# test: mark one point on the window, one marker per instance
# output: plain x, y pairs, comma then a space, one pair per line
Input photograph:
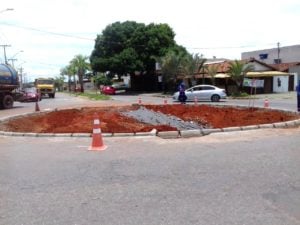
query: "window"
277, 61
263, 56
208, 88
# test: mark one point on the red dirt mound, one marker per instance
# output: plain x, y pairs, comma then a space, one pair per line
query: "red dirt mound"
112, 121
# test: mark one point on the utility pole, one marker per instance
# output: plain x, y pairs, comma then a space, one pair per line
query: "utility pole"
278, 52
21, 77
4, 46
12, 62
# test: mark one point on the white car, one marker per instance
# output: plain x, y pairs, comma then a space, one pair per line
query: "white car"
203, 92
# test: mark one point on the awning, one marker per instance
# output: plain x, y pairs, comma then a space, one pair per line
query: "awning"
222, 75
266, 74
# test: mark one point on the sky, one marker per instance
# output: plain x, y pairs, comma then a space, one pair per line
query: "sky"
44, 36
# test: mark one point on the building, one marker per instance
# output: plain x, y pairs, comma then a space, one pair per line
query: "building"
284, 59
288, 54
264, 78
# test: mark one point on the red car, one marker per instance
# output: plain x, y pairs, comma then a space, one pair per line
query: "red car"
108, 90
31, 95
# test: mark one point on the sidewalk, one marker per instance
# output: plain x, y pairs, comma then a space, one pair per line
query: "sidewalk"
287, 95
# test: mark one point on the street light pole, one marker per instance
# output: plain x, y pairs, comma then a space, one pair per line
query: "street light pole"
13, 58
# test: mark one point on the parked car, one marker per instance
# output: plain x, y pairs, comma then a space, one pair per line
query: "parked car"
108, 90
203, 92
31, 95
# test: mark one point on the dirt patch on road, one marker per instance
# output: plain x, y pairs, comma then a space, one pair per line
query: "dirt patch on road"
125, 119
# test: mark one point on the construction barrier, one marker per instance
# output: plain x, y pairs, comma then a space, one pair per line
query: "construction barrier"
266, 103
37, 108
195, 100
97, 142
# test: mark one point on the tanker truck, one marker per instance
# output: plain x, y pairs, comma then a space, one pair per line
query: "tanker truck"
9, 83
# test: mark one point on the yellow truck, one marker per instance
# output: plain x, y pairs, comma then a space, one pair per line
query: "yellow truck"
46, 86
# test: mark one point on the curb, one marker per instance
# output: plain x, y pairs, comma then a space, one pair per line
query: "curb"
154, 132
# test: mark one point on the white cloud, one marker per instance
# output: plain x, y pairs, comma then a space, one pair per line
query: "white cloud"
213, 28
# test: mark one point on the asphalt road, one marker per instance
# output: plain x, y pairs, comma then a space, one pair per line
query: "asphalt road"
248, 177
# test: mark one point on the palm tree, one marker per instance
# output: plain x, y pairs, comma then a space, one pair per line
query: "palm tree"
191, 63
81, 66
201, 67
237, 71
212, 71
69, 71
170, 67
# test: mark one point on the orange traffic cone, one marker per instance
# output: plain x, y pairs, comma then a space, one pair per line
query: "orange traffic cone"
97, 143
37, 108
195, 100
266, 103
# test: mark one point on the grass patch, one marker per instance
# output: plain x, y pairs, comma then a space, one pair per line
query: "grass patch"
93, 96
240, 95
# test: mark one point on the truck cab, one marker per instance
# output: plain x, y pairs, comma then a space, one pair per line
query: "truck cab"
46, 86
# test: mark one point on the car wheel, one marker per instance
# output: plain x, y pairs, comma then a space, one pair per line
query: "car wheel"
215, 98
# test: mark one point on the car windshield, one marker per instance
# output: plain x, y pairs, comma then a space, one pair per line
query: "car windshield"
45, 82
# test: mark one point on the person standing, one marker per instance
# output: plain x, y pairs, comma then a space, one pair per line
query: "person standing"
182, 96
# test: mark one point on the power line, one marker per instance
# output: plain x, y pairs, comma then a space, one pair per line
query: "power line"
112, 42
47, 32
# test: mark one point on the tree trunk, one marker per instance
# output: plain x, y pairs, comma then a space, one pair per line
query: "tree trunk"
80, 77
69, 84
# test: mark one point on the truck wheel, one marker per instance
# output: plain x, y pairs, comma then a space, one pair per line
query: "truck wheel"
7, 102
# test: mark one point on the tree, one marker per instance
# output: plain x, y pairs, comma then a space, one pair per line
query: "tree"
212, 71
174, 63
70, 71
202, 67
80, 64
124, 48
237, 71
102, 80
59, 82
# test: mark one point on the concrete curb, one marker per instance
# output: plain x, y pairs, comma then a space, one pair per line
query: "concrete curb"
191, 133
154, 132
168, 134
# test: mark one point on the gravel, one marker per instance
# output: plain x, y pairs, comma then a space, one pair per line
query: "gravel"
157, 118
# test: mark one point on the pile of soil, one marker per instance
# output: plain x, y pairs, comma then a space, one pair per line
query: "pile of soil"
125, 119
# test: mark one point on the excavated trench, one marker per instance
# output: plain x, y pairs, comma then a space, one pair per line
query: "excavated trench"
137, 118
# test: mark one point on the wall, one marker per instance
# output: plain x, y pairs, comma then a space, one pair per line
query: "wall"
280, 84
296, 71
259, 67
287, 54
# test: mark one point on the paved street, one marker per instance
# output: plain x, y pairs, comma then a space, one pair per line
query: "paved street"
248, 177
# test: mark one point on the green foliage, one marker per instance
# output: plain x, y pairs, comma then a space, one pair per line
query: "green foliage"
69, 70
59, 82
129, 46
102, 80
94, 96
177, 62
80, 65
212, 71
237, 71
240, 95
